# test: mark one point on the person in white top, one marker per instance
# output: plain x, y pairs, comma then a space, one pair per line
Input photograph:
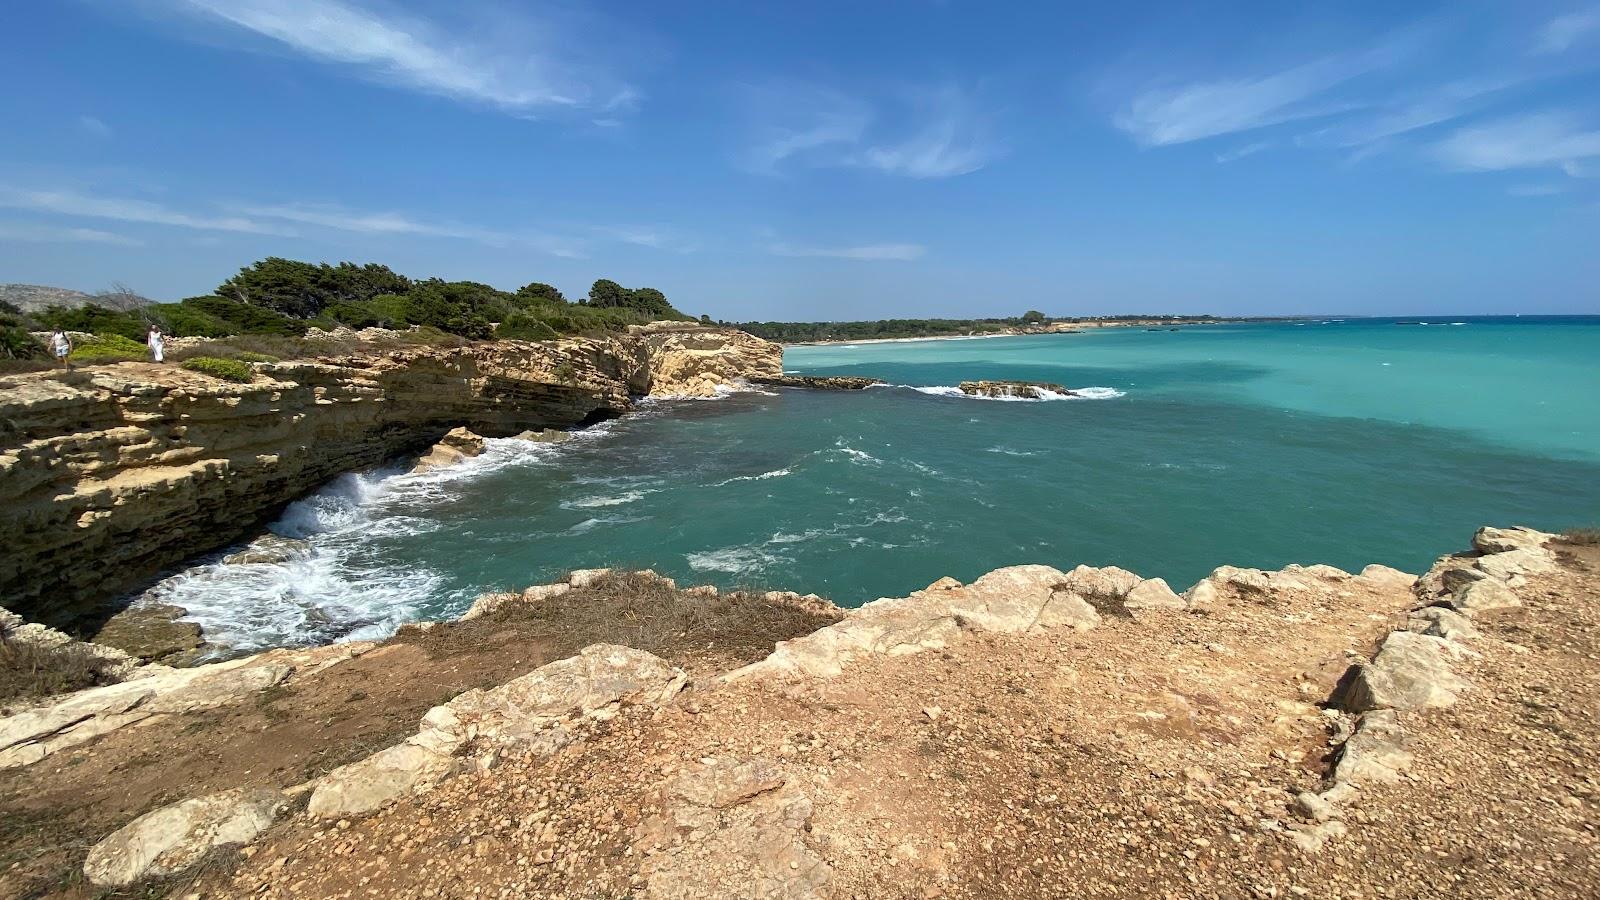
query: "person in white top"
60, 346
153, 341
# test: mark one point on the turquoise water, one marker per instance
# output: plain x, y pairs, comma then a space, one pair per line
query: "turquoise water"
1257, 445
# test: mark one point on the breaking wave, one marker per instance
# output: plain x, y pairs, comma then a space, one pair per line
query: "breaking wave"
947, 390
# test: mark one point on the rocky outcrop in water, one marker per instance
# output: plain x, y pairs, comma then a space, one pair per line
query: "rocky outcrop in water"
1021, 390
817, 382
109, 474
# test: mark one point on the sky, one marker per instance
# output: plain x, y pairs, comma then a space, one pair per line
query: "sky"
821, 160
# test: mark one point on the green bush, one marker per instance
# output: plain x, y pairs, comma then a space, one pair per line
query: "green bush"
181, 320
216, 367
107, 348
523, 327
95, 320
17, 343
252, 357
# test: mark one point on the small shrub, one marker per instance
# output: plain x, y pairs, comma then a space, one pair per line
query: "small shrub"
251, 356
225, 369
32, 670
107, 348
17, 343
523, 327
1583, 537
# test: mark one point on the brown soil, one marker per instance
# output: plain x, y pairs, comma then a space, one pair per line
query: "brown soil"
51, 813
1153, 756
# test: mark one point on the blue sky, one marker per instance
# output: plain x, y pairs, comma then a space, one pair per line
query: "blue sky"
822, 159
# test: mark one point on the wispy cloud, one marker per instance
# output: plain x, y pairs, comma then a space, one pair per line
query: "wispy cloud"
867, 252
394, 223
1228, 156
1561, 33
1536, 140
517, 63
1536, 190
1207, 109
75, 203
20, 231
93, 127
922, 134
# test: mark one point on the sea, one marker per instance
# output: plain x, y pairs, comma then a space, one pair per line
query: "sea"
1344, 441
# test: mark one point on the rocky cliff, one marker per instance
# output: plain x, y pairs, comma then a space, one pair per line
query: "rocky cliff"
109, 474
1038, 732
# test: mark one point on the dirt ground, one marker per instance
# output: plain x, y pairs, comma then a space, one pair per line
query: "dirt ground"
52, 812
1153, 756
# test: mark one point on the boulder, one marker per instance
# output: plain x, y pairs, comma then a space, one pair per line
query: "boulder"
269, 549
380, 779
176, 837
531, 713
1481, 594
1509, 564
1442, 622
457, 445
1011, 600
150, 632
1503, 540
545, 436
1117, 590
1388, 577
1019, 390
1376, 753
1411, 671
585, 577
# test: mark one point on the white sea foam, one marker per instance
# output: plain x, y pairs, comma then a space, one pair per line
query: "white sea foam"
775, 473
588, 525
733, 560
1007, 451
593, 502
336, 590
946, 390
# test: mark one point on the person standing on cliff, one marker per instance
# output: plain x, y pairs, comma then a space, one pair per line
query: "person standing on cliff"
60, 346
154, 342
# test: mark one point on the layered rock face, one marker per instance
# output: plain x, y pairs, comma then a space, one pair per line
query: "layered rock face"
108, 475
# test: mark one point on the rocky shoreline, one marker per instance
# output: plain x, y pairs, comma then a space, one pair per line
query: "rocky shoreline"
112, 473
1257, 733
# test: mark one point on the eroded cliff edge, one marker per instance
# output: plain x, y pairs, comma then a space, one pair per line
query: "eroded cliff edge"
110, 474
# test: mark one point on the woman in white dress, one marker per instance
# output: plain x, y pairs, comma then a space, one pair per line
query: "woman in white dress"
153, 341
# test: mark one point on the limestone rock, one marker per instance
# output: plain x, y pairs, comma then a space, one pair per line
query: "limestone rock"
1482, 594
1376, 753
269, 549
150, 632
1521, 561
1411, 671
133, 468
457, 445
176, 837
590, 684
1442, 622
545, 436
1021, 390
531, 713
726, 782
1388, 576
753, 831
817, 382
378, 780
1502, 540
585, 577
1010, 600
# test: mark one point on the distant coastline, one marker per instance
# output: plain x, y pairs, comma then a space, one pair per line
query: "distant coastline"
1064, 326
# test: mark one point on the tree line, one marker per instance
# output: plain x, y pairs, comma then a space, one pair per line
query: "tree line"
278, 296
800, 332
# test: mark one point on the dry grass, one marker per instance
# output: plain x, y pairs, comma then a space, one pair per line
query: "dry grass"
642, 611
29, 670
1582, 537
